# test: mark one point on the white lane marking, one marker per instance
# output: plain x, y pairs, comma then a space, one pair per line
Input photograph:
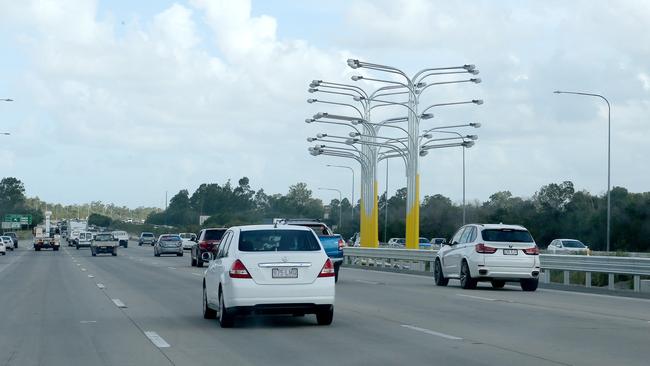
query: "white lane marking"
88, 321
197, 274
171, 267
83, 270
91, 276
156, 339
477, 297
594, 295
78, 264
101, 285
368, 282
431, 332
118, 303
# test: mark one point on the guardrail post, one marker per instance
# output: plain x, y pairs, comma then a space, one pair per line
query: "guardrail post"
546, 275
610, 281
588, 279
637, 283
566, 277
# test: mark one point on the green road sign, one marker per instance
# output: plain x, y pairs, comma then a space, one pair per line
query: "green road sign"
22, 219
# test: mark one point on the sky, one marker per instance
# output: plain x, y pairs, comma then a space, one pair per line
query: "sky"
122, 101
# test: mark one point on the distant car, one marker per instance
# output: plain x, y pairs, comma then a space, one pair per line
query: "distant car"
14, 237
168, 244
84, 239
147, 238
424, 243
188, 240
567, 246
396, 242
104, 243
495, 253
436, 243
8, 242
267, 269
122, 238
3, 248
207, 242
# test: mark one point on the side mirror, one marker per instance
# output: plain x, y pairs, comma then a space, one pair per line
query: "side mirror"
454, 243
206, 256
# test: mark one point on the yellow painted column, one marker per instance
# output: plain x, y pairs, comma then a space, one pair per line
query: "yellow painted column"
413, 219
375, 216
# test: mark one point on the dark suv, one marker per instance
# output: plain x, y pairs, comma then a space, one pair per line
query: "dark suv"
208, 241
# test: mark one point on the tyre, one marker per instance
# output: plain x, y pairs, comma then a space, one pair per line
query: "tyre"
93, 252
325, 317
466, 280
529, 284
156, 254
3, 253
114, 252
226, 319
336, 273
438, 275
208, 313
498, 283
77, 247
37, 249
139, 244
126, 245
56, 249
179, 254
192, 261
199, 262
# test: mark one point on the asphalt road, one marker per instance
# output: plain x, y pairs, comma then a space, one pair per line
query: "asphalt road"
61, 308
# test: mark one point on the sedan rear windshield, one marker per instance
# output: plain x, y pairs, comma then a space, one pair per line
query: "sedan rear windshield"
572, 244
171, 238
186, 235
277, 241
214, 234
147, 235
509, 235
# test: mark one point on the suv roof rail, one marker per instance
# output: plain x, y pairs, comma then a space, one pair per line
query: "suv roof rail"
312, 220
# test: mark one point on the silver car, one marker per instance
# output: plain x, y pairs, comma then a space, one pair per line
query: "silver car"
168, 244
567, 246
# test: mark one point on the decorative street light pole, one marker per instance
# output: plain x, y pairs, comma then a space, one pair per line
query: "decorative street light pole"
609, 159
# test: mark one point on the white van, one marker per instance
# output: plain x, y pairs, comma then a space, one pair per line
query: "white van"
85, 238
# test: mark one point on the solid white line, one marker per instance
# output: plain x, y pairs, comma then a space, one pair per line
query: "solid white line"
368, 282
78, 264
171, 267
118, 303
156, 339
88, 321
431, 332
477, 297
101, 285
594, 295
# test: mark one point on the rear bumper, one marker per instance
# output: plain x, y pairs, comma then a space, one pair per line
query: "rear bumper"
174, 250
104, 249
506, 273
297, 308
246, 293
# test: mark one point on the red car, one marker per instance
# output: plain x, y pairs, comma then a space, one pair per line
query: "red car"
208, 241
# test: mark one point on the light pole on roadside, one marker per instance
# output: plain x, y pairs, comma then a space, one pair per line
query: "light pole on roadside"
609, 156
351, 171
340, 200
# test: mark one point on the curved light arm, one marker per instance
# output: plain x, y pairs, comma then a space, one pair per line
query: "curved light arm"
388, 139
357, 64
473, 101
383, 125
475, 125
311, 100
341, 155
327, 84
466, 67
472, 80
582, 93
473, 72
311, 120
387, 102
401, 153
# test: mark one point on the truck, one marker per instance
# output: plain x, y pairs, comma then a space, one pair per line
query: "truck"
332, 243
73, 228
104, 243
44, 238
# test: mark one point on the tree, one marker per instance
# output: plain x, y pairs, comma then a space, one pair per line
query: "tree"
12, 194
99, 220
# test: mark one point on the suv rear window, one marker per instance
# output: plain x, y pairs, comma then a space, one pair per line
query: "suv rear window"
147, 235
277, 241
515, 236
216, 234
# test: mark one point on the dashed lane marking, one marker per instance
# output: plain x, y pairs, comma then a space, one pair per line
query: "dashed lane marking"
118, 303
477, 297
101, 285
156, 339
433, 333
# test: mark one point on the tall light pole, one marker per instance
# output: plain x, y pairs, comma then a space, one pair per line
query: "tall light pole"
609, 156
351, 171
340, 199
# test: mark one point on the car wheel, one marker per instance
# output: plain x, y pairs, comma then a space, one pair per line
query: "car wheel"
139, 244
93, 252
77, 247
192, 261
56, 249
208, 313
114, 253
156, 254
199, 262
529, 284
225, 319
498, 283
438, 276
179, 254
325, 317
466, 280
336, 273
3, 253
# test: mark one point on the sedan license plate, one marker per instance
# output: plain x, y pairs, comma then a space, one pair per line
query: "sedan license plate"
510, 251
284, 273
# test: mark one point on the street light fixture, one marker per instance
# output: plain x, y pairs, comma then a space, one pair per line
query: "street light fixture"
609, 156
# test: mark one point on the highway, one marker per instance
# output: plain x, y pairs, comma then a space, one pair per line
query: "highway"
68, 308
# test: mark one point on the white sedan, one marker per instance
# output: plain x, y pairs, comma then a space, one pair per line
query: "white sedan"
7, 242
3, 248
264, 269
567, 246
494, 253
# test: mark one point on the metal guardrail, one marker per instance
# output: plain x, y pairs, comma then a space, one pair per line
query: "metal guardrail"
423, 260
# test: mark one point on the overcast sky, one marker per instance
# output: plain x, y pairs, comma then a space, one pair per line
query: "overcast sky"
120, 101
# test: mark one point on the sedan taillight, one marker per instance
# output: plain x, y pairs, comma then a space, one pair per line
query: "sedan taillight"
484, 249
328, 269
203, 244
341, 244
532, 251
238, 270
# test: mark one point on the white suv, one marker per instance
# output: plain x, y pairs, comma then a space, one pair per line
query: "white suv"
494, 253
263, 269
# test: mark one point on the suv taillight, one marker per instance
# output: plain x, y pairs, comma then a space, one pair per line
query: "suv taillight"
484, 249
203, 244
341, 244
238, 270
532, 251
328, 269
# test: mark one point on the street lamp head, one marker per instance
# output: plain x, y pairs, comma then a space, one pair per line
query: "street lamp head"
468, 144
358, 98
353, 63
321, 135
473, 71
475, 80
475, 124
356, 77
423, 152
7, 100
427, 135
426, 116
315, 83
311, 139
309, 120
319, 115
469, 67
421, 84
312, 90
472, 137
557, 92
477, 101
355, 122
354, 134
311, 100
351, 141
